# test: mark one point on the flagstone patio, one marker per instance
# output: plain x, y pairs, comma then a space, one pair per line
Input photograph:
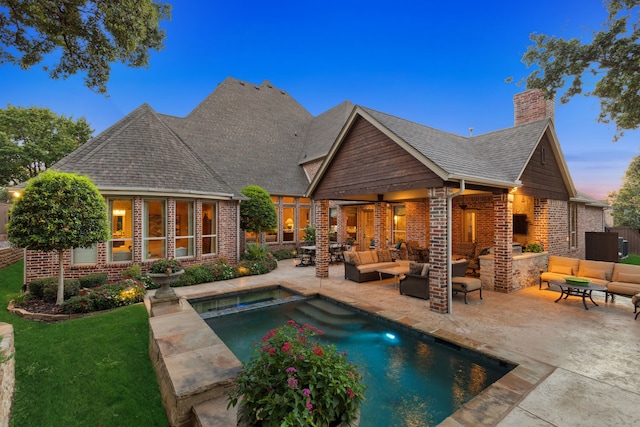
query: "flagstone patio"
585, 362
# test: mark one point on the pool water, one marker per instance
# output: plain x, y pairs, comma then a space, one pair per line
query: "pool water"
412, 379
238, 301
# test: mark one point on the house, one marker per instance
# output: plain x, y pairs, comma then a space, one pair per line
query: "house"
173, 184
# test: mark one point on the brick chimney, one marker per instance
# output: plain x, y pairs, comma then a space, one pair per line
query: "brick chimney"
531, 105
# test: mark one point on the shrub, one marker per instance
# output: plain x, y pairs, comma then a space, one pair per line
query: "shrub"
255, 252
284, 254
93, 280
132, 272
195, 275
47, 288
291, 380
223, 271
262, 266
533, 247
106, 297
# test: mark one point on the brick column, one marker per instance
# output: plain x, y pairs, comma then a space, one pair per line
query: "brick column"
322, 237
438, 256
379, 219
138, 204
502, 242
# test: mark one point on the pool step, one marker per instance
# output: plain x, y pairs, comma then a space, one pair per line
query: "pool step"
335, 321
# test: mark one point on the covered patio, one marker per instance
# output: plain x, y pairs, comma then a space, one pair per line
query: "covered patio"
451, 193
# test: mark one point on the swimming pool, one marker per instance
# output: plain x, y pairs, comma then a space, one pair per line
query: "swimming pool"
413, 379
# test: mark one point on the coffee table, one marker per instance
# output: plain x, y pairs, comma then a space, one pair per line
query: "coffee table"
577, 290
395, 272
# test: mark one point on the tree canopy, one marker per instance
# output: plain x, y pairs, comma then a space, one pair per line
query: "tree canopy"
58, 211
257, 213
86, 35
609, 64
626, 202
32, 139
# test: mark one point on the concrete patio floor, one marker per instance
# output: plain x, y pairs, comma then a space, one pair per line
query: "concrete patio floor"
593, 355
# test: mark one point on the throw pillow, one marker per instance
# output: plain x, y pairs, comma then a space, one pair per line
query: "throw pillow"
348, 257
592, 273
561, 269
366, 257
425, 270
374, 255
628, 278
384, 255
415, 268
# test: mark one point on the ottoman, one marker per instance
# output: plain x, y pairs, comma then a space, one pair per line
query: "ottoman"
466, 284
635, 300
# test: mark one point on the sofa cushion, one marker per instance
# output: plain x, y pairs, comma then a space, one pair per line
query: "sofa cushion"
626, 269
352, 257
416, 267
368, 268
366, 257
628, 278
596, 269
623, 288
384, 255
563, 265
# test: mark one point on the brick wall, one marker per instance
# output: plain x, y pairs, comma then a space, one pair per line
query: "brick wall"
531, 105
10, 255
417, 221
42, 264
558, 230
503, 238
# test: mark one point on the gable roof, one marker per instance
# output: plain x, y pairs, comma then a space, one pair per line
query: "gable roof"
495, 159
324, 130
141, 153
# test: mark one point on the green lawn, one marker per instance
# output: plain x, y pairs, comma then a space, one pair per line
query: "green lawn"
632, 259
93, 371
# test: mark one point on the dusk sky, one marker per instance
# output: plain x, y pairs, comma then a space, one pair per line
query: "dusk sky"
441, 64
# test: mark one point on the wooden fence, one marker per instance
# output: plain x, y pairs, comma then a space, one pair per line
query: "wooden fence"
630, 235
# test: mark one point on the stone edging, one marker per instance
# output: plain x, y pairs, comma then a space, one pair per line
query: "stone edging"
43, 317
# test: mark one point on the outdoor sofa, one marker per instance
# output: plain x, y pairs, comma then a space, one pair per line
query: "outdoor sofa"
619, 279
363, 266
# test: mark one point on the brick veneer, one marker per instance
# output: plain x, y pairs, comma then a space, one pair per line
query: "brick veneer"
503, 238
322, 237
10, 255
438, 257
531, 105
42, 264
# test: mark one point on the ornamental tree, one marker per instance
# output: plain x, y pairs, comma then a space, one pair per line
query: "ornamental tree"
257, 213
58, 211
610, 62
626, 202
83, 35
32, 139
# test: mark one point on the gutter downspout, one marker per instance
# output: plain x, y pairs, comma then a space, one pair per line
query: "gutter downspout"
449, 244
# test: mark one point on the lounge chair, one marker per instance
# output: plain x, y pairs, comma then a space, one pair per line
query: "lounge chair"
460, 282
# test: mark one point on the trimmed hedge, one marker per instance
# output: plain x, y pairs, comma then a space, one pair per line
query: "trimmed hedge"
47, 288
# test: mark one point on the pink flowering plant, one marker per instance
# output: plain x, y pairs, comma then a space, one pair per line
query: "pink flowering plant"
292, 380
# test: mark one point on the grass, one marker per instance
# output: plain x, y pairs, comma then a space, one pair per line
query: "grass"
631, 259
93, 371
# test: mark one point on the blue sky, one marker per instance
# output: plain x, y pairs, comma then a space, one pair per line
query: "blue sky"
441, 64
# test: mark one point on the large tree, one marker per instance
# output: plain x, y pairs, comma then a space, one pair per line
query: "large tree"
608, 67
626, 202
32, 139
86, 35
257, 213
58, 211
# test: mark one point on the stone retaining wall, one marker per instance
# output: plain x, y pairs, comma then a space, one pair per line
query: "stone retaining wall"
192, 364
10, 255
7, 373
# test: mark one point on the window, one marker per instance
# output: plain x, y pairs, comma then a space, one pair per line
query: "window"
288, 226
333, 224
305, 219
469, 225
120, 245
573, 225
209, 228
399, 225
154, 234
185, 235
84, 255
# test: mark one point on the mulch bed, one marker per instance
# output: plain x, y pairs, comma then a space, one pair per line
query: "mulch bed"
40, 306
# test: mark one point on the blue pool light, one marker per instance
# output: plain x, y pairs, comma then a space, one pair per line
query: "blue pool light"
390, 336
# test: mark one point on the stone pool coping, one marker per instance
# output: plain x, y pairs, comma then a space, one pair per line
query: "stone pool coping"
196, 370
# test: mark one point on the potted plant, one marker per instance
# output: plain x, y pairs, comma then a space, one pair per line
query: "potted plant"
292, 380
164, 273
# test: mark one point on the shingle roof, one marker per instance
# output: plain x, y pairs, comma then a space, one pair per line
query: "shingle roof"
500, 155
250, 135
324, 130
141, 152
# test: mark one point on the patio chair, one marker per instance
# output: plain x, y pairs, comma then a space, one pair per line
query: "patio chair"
460, 282
416, 253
